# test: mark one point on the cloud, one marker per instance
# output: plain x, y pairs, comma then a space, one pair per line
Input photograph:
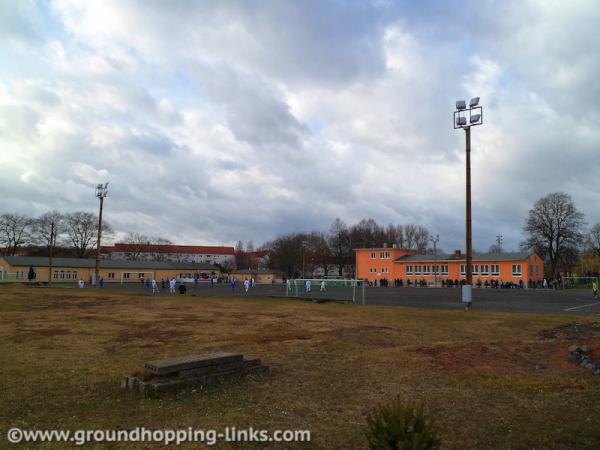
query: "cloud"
232, 120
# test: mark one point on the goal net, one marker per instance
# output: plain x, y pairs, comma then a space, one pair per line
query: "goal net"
326, 289
11, 276
578, 282
136, 277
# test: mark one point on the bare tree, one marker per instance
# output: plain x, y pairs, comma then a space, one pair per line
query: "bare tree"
15, 230
592, 240
417, 237
496, 248
157, 247
48, 227
554, 229
339, 244
82, 231
136, 245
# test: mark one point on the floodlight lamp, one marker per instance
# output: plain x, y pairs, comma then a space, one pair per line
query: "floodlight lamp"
461, 121
475, 118
461, 104
474, 102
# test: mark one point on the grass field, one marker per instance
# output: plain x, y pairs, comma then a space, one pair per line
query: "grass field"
65, 351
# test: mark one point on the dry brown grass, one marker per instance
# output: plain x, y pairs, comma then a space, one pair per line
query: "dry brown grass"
64, 352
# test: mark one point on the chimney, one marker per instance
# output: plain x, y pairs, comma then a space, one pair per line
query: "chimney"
457, 254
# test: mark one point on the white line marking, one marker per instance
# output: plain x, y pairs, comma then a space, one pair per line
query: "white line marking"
582, 306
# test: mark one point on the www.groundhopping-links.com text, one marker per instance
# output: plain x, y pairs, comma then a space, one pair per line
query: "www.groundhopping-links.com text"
165, 436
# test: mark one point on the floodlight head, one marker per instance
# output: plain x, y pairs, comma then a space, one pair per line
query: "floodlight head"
461, 104
475, 118
474, 102
461, 121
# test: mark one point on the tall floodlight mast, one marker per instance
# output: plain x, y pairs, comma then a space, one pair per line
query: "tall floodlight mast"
465, 118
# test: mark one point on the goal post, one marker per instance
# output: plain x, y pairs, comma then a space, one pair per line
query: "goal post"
578, 282
135, 277
327, 289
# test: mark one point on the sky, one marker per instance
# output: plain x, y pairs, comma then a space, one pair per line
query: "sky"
220, 121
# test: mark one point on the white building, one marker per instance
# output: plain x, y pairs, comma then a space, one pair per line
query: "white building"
178, 253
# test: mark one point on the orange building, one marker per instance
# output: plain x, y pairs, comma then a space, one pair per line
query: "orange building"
395, 263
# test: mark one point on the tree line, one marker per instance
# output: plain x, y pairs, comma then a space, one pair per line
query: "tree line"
73, 234
332, 252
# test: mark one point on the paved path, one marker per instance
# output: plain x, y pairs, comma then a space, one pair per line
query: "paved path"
538, 301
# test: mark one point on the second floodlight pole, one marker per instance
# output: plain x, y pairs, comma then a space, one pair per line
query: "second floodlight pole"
469, 269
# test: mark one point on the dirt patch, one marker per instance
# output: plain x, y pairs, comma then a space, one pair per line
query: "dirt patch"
572, 331
550, 349
499, 357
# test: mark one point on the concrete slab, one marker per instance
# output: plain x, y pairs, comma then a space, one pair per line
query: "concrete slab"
166, 366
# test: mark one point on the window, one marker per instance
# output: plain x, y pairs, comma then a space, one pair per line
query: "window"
55, 275
417, 270
384, 255
111, 275
444, 269
516, 270
495, 269
436, 269
484, 269
74, 274
462, 269
68, 275
426, 269
373, 255
140, 275
372, 270
409, 270
385, 270
125, 276
475, 269
62, 274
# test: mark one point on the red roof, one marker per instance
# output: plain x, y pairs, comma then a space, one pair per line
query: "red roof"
194, 249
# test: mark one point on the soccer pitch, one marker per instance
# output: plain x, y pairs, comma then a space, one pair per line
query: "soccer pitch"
330, 364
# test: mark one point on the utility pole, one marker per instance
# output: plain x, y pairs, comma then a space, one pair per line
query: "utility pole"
51, 250
303, 251
435, 239
499, 243
101, 193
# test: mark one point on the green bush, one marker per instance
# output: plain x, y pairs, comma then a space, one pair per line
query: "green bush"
400, 427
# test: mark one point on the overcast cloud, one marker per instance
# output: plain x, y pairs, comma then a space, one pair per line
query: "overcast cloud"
219, 121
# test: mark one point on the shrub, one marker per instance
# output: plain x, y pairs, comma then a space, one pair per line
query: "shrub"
400, 427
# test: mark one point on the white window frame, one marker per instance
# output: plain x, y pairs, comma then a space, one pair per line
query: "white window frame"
495, 270
463, 269
444, 269
485, 269
373, 255
418, 270
516, 273
426, 269
409, 270
475, 269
